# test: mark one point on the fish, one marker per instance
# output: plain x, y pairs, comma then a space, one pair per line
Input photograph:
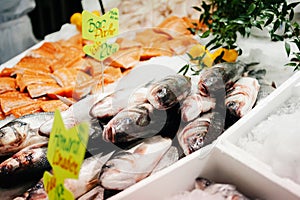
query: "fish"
126, 168
110, 105
17, 135
166, 92
87, 179
131, 123
140, 121
227, 191
35, 192
202, 131
27, 164
95, 194
113, 103
22, 132
169, 158
191, 137
88, 175
219, 77
241, 97
194, 105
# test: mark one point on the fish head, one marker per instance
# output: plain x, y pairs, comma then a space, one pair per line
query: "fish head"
161, 97
12, 136
116, 173
211, 80
195, 142
202, 183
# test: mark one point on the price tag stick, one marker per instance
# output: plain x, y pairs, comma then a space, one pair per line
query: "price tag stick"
102, 76
102, 7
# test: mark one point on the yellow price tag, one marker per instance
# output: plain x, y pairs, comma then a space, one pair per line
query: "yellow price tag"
55, 188
66, 150
100, 51
97, 28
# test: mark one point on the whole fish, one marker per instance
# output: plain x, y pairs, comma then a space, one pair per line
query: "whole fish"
167, 92
110, 105
169, 158
27, 164
69, 122
191, 137
219, 77
35, 120
87, 179
96, 193
131, 166
17, 135
36, 192
88, 175
227, 191
194, 105
241, 97
201, 131
136, 122
113, 103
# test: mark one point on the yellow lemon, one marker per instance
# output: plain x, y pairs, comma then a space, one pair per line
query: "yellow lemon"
199, 50
230, 55
76, 19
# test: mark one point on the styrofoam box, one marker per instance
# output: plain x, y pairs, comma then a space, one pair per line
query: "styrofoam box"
224, 162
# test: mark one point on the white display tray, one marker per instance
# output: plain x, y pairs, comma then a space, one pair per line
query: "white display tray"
225, 162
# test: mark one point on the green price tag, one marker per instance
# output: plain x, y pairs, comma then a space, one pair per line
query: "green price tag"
100, 51
66, 150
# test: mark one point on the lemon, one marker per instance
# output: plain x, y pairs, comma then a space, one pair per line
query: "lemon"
198, 50
230, 55
76, 19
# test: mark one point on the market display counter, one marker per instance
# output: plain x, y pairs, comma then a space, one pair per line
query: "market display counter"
224, 160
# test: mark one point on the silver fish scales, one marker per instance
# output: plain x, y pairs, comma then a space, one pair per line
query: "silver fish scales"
25, 165
17, 135
133, 165
241, 97
219, 77
165, 93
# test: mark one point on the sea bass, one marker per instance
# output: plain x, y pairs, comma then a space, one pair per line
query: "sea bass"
17, 135
194, 105
167, 92
227, 191
133, 123
26, 164
241, 97
129, 167
219, 77
201, 131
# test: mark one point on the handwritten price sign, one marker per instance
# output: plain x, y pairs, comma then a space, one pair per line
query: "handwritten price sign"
66, 150
99, 29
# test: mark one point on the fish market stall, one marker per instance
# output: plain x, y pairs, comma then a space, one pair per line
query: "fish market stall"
154, 121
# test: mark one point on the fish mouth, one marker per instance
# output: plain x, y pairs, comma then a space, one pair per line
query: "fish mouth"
108, 134
203, 90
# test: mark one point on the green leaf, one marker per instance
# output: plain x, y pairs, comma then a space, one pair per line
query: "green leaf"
251, 8
269, 21
197, 8
205, 34
276, 25
292, 5
287, 48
